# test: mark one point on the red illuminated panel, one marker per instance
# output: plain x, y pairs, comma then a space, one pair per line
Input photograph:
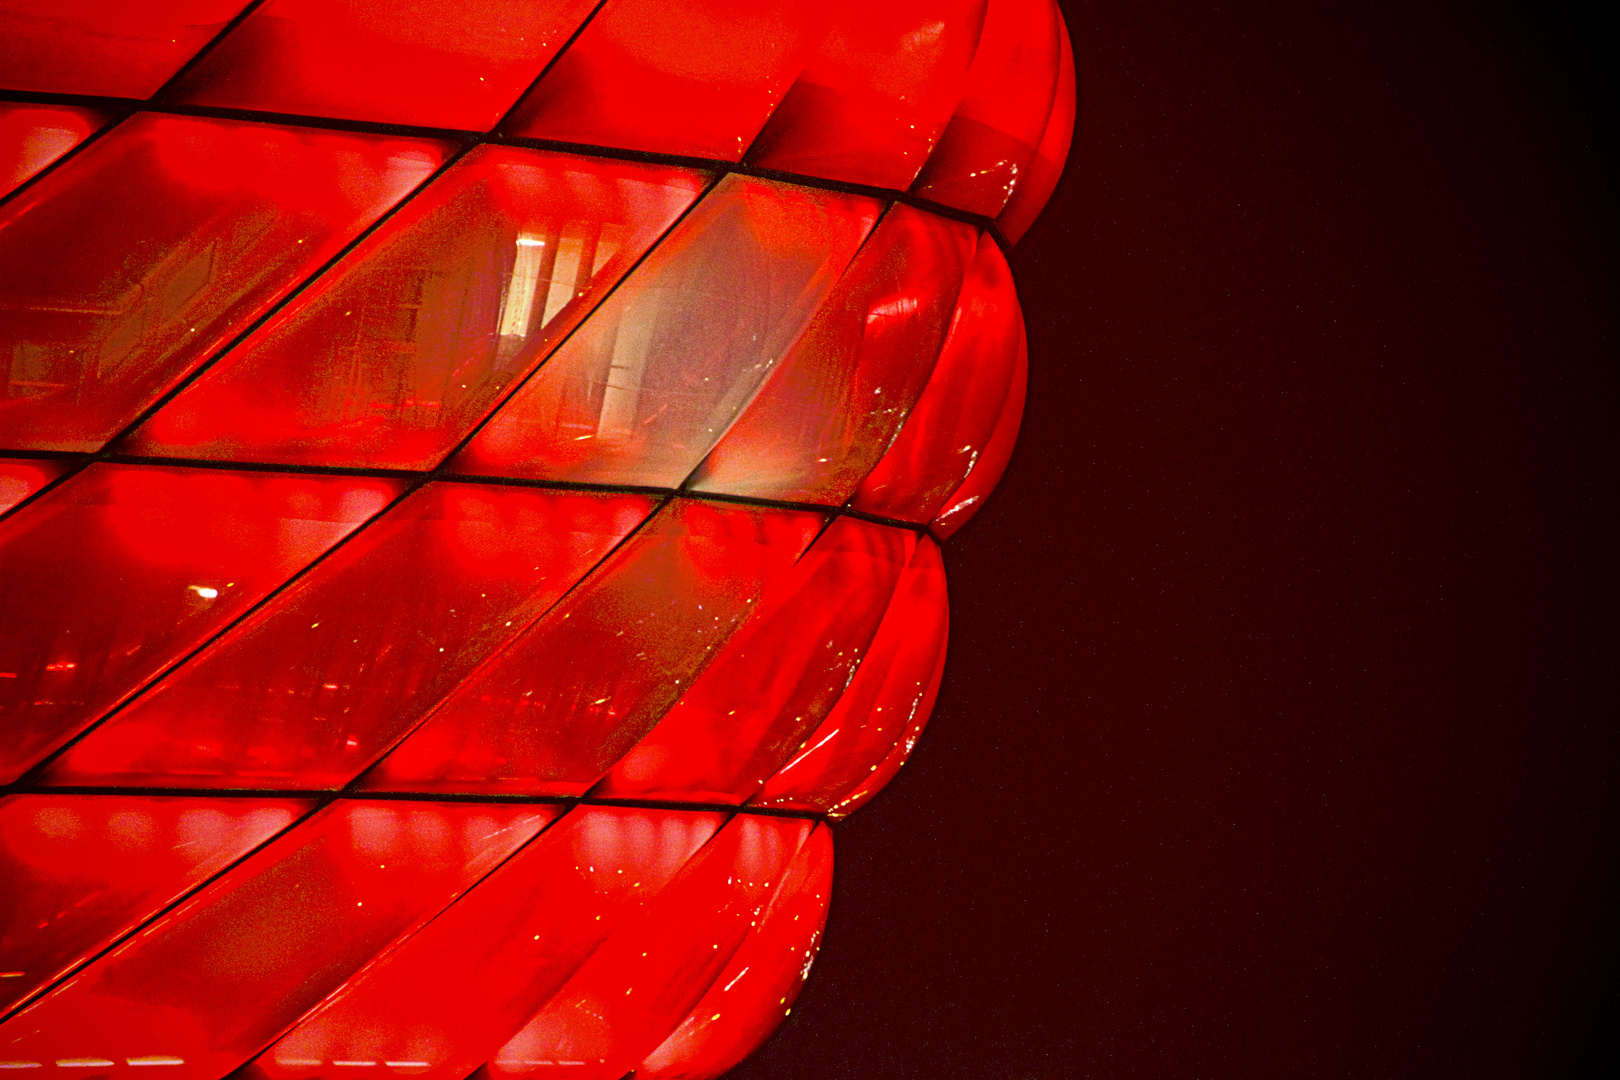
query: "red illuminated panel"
634, 990
389, 360
452, 994
946, 431
125, 269
886, 703
1040, 180
776, 678
80, 871
758, 988
833, 404
108, 47
207, 985
877, 94
20, 478
124, 569
33, 136
990, 143
575, 691
969, 498
328, 675
695, 77
648, 383
458, 65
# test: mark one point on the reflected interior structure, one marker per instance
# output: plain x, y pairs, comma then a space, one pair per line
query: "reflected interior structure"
471, 487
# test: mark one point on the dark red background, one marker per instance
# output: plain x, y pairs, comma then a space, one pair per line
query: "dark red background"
1278, 733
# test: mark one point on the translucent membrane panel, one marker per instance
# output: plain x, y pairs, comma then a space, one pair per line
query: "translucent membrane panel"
123, 570
877, 93
317, 684
33, 136
656, 375
129, 266
989, 146
392, 357
641, 983
949, 427
577, 689
104, 46
828, 410
758, 987
694, 77
451, 995
460, 65
885, 705
207, 985
777, 677
21, 478
966, 500
81, 871
1035, 188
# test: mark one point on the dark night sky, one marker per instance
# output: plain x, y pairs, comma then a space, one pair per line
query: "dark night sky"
1278, 737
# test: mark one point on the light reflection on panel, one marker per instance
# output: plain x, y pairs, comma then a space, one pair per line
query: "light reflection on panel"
79, 871
211, 982
458, 65
643, 389
131, 264
321, 681
1038, 183
124, 569
692, 77
573, 693
968, 499
828, 410
391, 358
21, 477
33, 136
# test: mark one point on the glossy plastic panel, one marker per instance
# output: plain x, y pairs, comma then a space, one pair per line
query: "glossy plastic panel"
108, 47
33, 136
21, 477
451, 995
553, 711
634, 990
772, 683
969, 498
80, 871
885, 704
389, 360
129, 266
1032, 192
643, 389
948, 428
990, 143
207, 985
458, 65
329, 674
828, 410
122, 570
877, 94
757, 989
694, 77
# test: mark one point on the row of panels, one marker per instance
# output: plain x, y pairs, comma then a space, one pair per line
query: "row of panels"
417, 939
469, 639
526, 314
966, 102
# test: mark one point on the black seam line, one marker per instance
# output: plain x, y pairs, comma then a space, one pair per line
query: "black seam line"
184, 898
562, 50
442, 476
173, 81
429, 714
497, 138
